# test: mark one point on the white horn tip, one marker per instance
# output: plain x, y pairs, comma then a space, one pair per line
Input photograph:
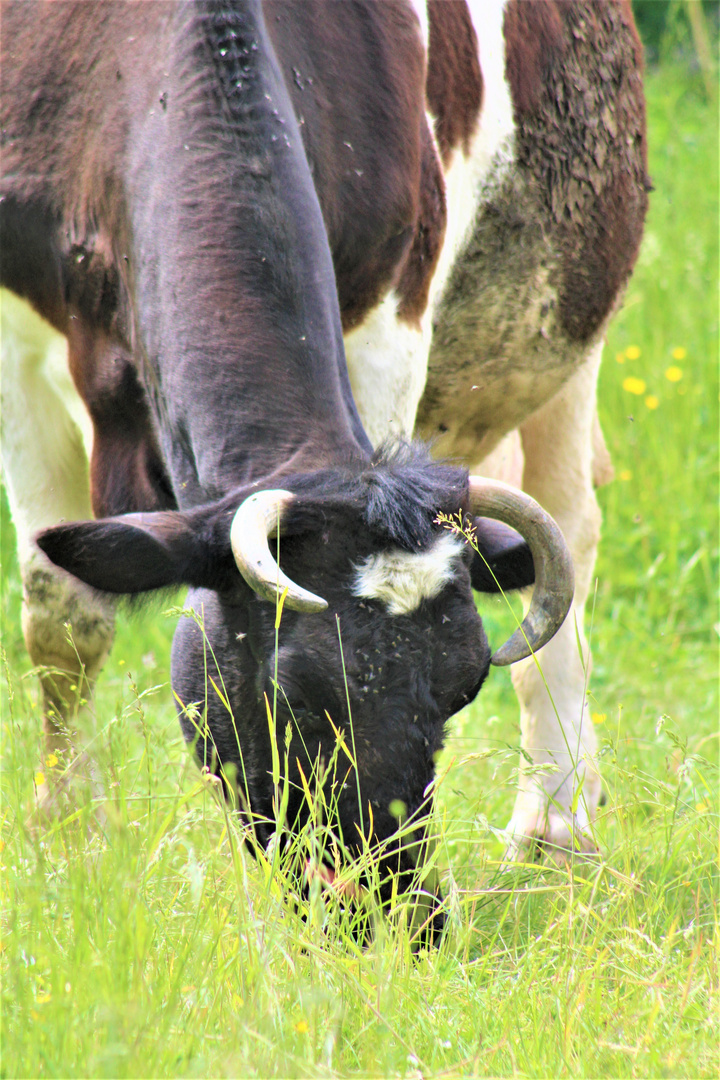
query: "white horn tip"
255, 521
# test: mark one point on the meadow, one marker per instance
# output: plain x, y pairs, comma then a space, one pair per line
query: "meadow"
149, 943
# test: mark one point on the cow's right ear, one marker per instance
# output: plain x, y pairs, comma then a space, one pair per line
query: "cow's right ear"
503, 559
140, 552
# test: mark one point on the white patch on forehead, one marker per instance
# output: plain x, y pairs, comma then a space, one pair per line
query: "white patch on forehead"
402, 580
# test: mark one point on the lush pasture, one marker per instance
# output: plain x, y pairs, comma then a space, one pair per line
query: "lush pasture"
147, 942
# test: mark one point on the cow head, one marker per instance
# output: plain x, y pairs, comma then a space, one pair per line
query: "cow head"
378, 639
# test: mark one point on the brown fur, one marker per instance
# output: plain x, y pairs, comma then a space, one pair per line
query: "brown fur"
367, 143
420, 264
575, 74
454, 80
127, 472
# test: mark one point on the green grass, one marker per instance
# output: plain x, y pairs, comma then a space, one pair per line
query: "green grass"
152, 945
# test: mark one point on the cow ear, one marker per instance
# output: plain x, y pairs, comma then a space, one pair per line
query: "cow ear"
140, 552
504, 562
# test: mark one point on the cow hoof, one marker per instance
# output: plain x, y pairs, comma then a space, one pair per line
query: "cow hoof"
547, 837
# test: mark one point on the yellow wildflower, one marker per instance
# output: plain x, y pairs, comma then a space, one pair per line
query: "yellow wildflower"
2, 845
39, 779
42, 999
599, 717
679, 353
674, 373
51, 761
634, 385
651, 401
620, 357
302, 1027
701, 807
624, 474
632, 352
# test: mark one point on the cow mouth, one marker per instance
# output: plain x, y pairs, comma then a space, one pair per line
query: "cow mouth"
422, 899
396, 877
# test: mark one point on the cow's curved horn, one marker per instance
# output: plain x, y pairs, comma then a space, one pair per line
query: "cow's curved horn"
255, 521
554, 575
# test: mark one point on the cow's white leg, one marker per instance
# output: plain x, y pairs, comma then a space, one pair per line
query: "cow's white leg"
387, 362
557, 803
68, 628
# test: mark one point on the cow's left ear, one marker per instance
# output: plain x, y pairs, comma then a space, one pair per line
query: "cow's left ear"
504, 562
137, 553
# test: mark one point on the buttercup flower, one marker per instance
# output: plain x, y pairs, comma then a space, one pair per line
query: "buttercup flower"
679, 353
674, 373
651, 401
632, 352
634, 385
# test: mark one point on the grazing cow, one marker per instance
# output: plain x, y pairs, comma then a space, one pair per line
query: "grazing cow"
204, 198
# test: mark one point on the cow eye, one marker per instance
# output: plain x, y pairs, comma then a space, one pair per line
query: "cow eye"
290, 709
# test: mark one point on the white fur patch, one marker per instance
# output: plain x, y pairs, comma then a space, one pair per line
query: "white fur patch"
403, 580
387, 365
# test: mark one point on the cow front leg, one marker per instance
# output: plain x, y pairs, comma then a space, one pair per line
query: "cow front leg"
68, 628
560, 789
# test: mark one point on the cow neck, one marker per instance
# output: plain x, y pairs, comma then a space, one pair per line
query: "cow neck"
236, 315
